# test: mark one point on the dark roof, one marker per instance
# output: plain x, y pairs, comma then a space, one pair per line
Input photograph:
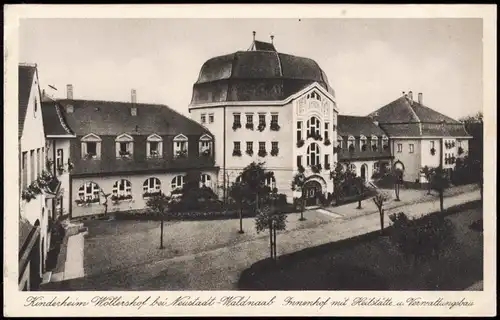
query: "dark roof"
25, 230
54, 121
404, 117
260, 75
114, 118
344, 155
26, 75
357, 126
263, 46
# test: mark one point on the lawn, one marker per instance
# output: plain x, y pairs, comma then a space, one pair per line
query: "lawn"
116, 245
371, 262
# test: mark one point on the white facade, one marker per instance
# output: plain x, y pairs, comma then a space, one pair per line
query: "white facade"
313, 102
32, 158
58, 153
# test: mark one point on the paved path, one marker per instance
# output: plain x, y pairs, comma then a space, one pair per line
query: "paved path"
220, 269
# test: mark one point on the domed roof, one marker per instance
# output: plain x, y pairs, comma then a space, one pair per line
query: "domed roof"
261, 74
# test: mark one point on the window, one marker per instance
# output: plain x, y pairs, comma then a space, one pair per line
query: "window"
262, 146
274, 145
35, 107
203, 118
299, 130
249, 146
313, 127
180, 146
327, 160
352, 167
314, 95
91, 147
262, 119
362, 140
237, 146
89, 191
122, 188
154, 146
340, 142
32, 165
299, 161
271, 182
24, 168
211, 118
400, 147
459, 143
374, 141
249, 118
38, 162
205, 145
274, 118
124, 146
205, 181
43, 159
177, 182
313, 154
151, 186
385, 142
60, 159
237, 119
412, 148
432, 144
351, 141
326, 136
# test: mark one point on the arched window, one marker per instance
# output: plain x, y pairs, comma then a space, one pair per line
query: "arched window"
151, 187
271, 182
313, 127
353, 167
205, 181
122, 188
362, 144
89, 191
313, 154
314, 95
177, 182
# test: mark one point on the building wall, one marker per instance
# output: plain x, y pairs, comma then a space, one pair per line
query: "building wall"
216, 128
412, 161
33, 138
106, 183
25, 278
64, 176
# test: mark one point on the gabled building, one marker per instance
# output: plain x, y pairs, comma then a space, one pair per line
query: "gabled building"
363, 145
34, 235
122, 153
421, 136
272, 107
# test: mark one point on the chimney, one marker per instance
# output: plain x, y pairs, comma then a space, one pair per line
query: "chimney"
410, 97
69, 91
254, 33
404, 94
420, 98
134, 96
272, 39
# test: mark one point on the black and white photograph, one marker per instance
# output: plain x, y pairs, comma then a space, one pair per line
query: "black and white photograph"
251, 154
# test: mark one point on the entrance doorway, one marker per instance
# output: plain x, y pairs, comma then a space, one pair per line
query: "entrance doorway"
364, 170
312, 190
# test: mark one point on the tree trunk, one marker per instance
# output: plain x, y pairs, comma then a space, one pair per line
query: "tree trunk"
381, 220
396, 189
256, 202
275, 251
161, 234
241, 218
441, 200
428, 186
271, 239
359, 204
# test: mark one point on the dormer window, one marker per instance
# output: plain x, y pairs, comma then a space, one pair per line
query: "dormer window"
180, 146
362, 140
91, 147
205, 145
350, 143
385, 142
124, 146
154, 146
374, 140
340, 143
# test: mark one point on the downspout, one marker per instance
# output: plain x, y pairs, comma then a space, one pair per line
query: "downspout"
54, 173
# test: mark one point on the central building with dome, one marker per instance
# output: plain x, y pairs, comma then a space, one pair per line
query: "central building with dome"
271, 107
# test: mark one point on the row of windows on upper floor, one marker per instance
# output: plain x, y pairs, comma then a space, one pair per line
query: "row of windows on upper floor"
363, 143
124, 146
261, 123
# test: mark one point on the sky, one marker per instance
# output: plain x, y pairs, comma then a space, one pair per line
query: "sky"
369, 62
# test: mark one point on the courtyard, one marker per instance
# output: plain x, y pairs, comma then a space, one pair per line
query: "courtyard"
211, 255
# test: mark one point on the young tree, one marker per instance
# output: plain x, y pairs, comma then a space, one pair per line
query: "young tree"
105, 203
337, 175
427, 172
298, 185
237, 192
360, 187
158, 205
439, 183
397, 175
269, 218
254, 177
379, 200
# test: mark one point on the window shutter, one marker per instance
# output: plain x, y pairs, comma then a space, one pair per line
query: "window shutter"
117, 149
130, 148
84, 149
98, 150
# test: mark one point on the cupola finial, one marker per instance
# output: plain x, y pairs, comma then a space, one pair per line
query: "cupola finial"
272, 39
254, 33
